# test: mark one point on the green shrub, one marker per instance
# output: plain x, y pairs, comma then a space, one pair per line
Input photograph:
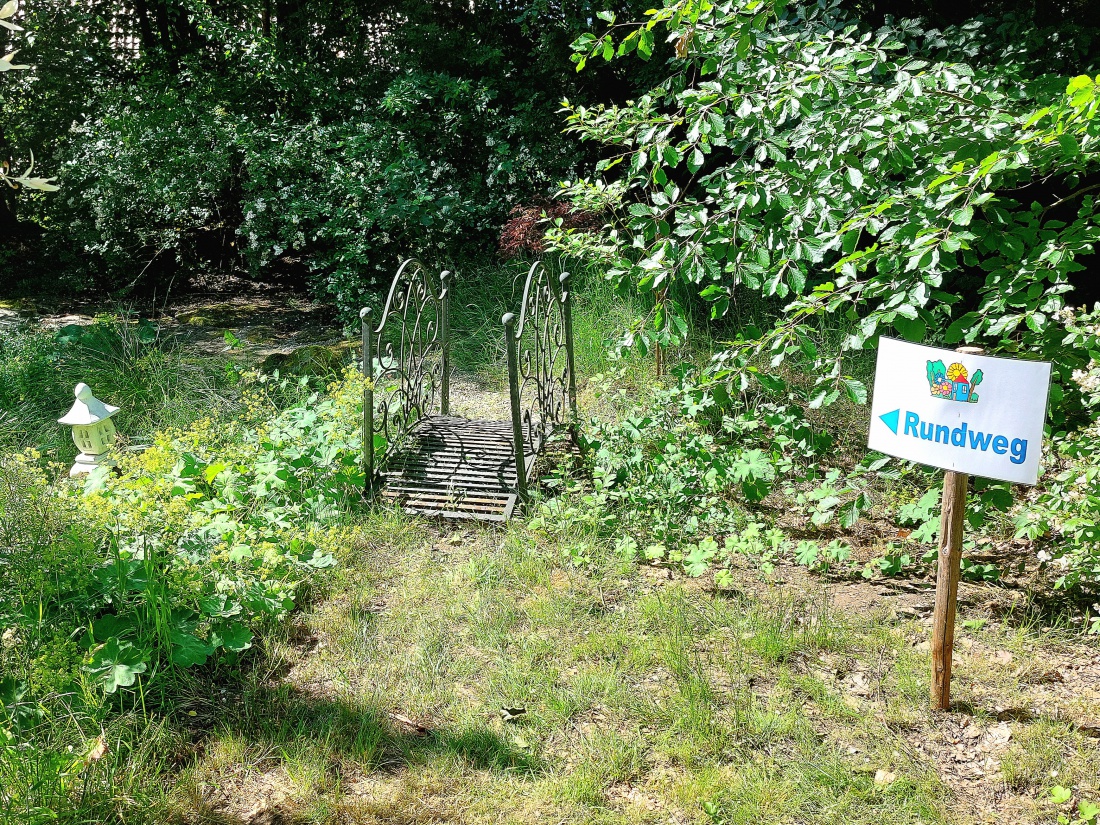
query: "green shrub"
147, 186
685, 465
875, 173
1065, 514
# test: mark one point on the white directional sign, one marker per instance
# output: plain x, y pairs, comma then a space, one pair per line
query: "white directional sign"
973, 414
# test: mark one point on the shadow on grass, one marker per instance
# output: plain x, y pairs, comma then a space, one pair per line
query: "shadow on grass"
368, 733
347, 739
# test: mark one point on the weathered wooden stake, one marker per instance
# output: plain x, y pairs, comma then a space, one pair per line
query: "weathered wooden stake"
947, 585
952, 515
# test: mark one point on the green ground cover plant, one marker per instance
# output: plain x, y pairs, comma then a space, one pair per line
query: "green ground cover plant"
168, 563
690, 477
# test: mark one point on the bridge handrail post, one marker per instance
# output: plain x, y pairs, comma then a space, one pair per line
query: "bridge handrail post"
368, 400
409, 362
509, 322
567, 317
445, 333
545, 359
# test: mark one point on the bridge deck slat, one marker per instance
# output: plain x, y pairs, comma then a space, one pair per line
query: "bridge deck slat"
456, 468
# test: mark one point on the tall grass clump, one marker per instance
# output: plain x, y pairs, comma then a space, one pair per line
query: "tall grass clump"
131, 363
483, 294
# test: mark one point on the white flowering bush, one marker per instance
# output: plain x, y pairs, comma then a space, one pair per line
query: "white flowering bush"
146, 185
175, 180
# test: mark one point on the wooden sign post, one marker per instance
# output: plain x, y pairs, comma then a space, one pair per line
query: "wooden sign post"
928, 408
947, 585
952, 521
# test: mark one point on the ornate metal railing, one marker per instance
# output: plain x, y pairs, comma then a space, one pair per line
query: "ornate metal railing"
406, 362
541, 379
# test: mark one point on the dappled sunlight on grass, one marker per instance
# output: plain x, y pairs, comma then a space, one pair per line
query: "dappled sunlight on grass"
513, 682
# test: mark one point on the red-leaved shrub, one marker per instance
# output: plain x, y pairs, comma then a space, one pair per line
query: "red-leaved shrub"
527, 223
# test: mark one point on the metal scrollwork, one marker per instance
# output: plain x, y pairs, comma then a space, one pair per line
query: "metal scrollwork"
541, 380
406, 361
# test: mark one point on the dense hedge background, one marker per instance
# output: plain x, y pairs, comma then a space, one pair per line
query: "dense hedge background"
323, 141
319, 141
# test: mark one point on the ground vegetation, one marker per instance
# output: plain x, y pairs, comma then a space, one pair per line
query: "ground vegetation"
717, 611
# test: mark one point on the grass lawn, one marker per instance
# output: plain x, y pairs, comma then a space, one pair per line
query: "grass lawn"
467, 674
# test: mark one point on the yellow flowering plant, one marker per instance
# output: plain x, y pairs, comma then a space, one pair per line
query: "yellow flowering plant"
212, 530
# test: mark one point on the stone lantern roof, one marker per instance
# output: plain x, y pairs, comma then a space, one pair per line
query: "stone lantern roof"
87, 409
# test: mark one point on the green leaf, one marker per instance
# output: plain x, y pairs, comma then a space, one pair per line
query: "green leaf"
855, 177
116, 664
849, 513
806, 553
911, 329
823, 398
239, 553
695, 163
753, 464
1060, 795
7, 65
756, 489
233, 636
188, 649
1081, 81
855, 390
220, 606
697, 561
957, 331
772, 383
797, 279
963, 216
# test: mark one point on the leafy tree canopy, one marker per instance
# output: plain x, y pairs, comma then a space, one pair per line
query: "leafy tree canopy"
936, 184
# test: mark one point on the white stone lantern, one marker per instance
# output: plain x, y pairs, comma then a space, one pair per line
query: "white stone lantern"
93, 431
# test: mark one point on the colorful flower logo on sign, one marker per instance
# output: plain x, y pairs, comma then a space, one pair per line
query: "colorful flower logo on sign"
954, 382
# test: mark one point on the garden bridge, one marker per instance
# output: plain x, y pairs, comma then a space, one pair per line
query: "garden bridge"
430, 462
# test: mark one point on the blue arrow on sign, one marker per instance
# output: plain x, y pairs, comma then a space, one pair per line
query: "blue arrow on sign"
890, 419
